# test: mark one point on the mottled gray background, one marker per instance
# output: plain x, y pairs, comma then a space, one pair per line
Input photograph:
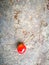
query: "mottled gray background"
29, 15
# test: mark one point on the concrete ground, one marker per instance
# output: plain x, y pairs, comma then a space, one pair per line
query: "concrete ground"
27, 21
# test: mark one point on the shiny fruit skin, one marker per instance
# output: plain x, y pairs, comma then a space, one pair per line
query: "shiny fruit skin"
21, 48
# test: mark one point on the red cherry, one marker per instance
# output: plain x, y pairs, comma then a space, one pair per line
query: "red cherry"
21, 48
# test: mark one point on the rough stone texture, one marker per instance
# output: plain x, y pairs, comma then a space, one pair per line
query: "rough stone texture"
27, 21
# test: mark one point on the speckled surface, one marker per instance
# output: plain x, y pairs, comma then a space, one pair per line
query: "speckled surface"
27, 21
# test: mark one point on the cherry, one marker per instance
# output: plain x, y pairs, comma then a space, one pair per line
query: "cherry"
21, 48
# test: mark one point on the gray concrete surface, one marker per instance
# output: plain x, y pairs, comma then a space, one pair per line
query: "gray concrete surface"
27, 21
